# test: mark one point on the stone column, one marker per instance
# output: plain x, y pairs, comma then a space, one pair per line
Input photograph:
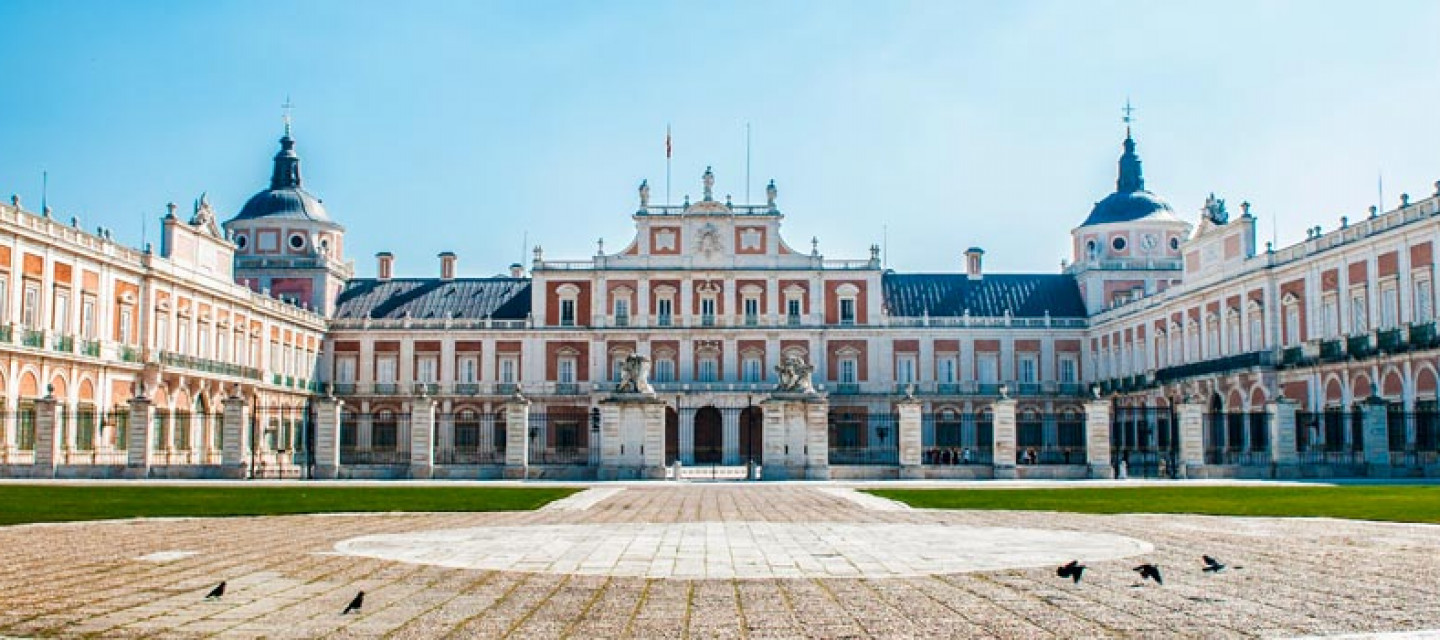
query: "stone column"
1097, 438
730, 436
1191, 416
817, 438
517, 442
327, 437
1375, 416
142, 438
1003, 449
235, 454
1282, 437
686, 449
909, 437
49, 441
422, 438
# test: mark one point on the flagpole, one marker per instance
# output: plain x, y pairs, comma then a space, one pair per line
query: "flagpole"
747, 163
668, 201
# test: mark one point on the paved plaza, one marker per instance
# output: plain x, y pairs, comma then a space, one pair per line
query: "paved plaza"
718, 560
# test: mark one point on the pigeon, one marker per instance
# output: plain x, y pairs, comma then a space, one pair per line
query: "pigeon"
1072, 570
1150, 572
355, 604
218, 591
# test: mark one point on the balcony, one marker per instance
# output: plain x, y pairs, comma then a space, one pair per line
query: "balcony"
506, 388
664, 320
622, 320
1215, 366
1331, 351
343, 388
1390, 340
1359, 347
847, 388
1292, 357
1028, 389
752, 320
467, 388
90, 348
32, 338
567, 388
386, 389
1422, 335
792, 320
706, 320
200, 364
63, 344
6, 334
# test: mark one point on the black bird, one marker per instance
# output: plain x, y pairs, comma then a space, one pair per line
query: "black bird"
355, 604
1150, 572
218, 591
1212, 565
1072, 570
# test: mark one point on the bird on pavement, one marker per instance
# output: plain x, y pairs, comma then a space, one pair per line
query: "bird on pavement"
1150, 572
218, 591
355, 604
1072, 570
1213, 565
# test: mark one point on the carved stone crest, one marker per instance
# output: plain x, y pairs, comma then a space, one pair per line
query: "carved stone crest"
794, 375
708, 240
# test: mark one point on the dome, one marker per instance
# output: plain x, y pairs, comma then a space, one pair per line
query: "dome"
292, 204
285, 199
1131, 201
1129, 207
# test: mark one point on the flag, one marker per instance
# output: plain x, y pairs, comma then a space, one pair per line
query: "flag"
667, 143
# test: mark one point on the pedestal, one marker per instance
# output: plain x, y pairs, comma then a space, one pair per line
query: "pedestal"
1003, 448
1097, 439
517, 444
1283, 438
796, 438
142, 440
632, 437
908, 427
327, 438
235, 438
49, 441
422, 438
1192, 438
1376, 445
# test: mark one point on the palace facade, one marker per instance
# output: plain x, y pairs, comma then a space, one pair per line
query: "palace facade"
250, 349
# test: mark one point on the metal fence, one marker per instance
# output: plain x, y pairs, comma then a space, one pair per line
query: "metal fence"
1231, 438
1413, 437
1146, 439
951, 437
470, 437
863, 438
1050, 438
376, 438
1333, 431
560, 435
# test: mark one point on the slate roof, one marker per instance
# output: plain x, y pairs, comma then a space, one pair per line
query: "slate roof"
422, 298
950, 294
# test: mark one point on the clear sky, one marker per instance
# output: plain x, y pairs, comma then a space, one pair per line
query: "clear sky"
434, 126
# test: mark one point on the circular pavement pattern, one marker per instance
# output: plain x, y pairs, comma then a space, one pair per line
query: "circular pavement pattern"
724, 550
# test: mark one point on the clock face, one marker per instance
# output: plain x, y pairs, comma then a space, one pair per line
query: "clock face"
1148, 242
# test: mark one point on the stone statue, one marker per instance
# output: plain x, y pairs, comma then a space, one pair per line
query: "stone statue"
635, 375
644, 194
1215, 210
709, 180
795, 375
770, 193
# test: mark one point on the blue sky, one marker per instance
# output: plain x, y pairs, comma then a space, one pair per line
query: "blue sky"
464, 126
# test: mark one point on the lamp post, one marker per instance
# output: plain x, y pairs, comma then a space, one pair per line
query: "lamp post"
594, 436
534, 435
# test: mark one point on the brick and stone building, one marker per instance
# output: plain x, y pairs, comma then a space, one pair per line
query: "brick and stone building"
1162, 347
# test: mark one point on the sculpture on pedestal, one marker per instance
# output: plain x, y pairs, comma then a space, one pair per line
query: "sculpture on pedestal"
635, 375
794, 375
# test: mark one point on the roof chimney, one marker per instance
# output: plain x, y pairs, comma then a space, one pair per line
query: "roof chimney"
973, 257
447, 265
384, 261
517, 270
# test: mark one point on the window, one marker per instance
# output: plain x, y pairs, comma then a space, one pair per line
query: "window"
622, 312
752, 311
751, 369
664, 310
203, 349
1423, 299
567, 313
4, 298
345, 370
707, 311
665, 370
427, 369
1257, 330
565, 368
87, 317
125, 322
945, 370
30, 313
905, 369
1232, 329
847, 311
1389, 305
1067, 370
617, 365
1212, 337
509, 368
1028, 373
182, 341
162, 331
385, 370
1118, 243
1330, 316
847, 370
241, 241
1358, 319
297, 241
708, 369
469, 370
1292, 324
988, 366
792, 311
62, 311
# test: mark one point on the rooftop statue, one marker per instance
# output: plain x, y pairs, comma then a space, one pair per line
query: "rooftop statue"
795, 375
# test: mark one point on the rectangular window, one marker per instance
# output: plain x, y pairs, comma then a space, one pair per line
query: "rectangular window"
945, 370
566, 367
427, 369
4, 298
1233, 328
847, 371
988, 368
62, 311
752, 369
1330, 316
1423, 300
203, 346
905, 369
385, 370
622, 312
752, 311
708, 370
162, 331
665, 370
847, 311
30, 313
1292, 325
664, 308
182, 342
1389, 306
1257, 331
617, 365
509, 369
792, 310
87, 317
345, 370
469, 370
222, 346
1067, 370
1358, 320
707, 311
1028, 372
567, 313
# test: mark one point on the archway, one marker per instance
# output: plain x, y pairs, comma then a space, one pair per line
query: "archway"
752, 434
709, 437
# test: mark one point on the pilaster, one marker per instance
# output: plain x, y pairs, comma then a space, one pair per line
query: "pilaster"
422, 437
1097, 438
142, 440
327, 437
234, 456
517, 445
1281, 421
1003, 451
1376, 432
1191, 416
909, 437
49, 441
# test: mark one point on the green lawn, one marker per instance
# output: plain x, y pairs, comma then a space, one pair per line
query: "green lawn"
1396, 503
58, 503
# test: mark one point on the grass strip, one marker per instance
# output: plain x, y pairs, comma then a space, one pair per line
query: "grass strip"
1391, 503
57, 503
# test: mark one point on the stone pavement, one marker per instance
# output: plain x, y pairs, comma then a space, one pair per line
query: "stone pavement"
717, 560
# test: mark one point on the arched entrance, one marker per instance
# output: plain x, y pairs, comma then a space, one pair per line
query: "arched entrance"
709, 436
752, 434
672, 436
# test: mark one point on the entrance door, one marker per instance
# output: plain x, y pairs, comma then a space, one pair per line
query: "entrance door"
752, 434
708, 436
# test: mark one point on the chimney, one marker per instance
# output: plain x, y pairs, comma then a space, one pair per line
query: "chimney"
447, 265
973, 257
517, 270
384, 261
